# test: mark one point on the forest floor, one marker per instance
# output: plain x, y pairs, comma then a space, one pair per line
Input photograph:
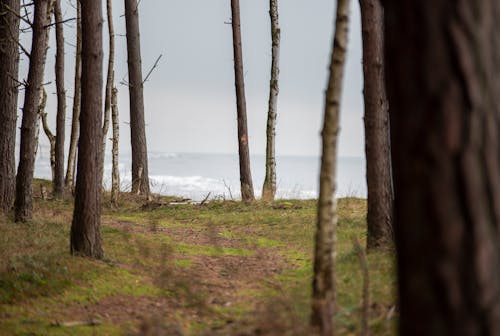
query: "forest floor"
221, 268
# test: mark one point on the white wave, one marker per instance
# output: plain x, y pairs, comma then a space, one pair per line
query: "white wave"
155, 156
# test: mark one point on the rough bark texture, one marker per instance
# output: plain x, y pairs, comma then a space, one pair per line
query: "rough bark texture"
46, 129
376, 120
140, 177
9, 65
86, 226
323, 300
247, 193
269, 188
70, 172
115, 173
25, 170
58, 181
442, 71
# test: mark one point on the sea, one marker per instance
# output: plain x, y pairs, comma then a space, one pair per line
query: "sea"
196, 176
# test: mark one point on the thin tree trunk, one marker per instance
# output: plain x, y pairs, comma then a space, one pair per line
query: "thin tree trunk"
58, 181
70, 172
247, 193
443, 66
46, 129
140, 174
86, 226
109, 80
324, 297
376, 120
115, 175
9, 72
24, 179
269, 188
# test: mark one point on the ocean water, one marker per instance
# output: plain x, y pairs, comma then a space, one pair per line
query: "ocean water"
193, 176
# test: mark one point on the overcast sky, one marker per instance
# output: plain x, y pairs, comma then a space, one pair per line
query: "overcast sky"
189, 99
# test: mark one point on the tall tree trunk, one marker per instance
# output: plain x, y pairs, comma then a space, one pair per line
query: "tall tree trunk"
110, 79
86, 226
25, 170
323, 300
377, 144
269, 188
115, 174
247, 193
58, 182
46, 129
443, 66
70, 172
9, 66
140, 175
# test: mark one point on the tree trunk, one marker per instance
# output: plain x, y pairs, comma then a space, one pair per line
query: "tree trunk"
247, 193
140, 175
443, 66
86, 226
323, 300
58, 181
70, 172
9, 66
377, 144
115, 174
25, 170
110, 79
46, 129
269, 188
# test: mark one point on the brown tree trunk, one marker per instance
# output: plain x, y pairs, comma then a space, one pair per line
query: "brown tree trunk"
115, 174
443, 70
58, 182
377, 144
269, 188
46, 129
25, 170
70, 172
247, 193
323, 300
9, 65
140, 177
86, 226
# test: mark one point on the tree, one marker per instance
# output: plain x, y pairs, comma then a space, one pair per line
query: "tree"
247, 193
70, 172
9, 65
442, 70
376, 120
269, 188
58, 181
323, 300
115, 173
140, 177
86, 225
38, 54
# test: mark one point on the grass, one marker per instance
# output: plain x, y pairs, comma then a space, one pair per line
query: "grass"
219, 269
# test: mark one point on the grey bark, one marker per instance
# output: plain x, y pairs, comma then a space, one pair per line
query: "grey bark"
46, 129
70, 172
24, 178
140, 174
247, 192
324, 297
115, 174
86, 226
9, 72
269, 187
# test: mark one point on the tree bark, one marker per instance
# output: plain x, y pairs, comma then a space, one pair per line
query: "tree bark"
115, 174
376, 120
269, 188
140, 175
38, 55
443, 65
46, 129
324, 297
9, 72
247, 193
70, 172
86, 226
58, 181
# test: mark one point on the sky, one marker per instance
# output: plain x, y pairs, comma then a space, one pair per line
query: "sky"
190, 97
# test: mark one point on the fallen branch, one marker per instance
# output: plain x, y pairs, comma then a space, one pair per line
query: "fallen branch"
69, 324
